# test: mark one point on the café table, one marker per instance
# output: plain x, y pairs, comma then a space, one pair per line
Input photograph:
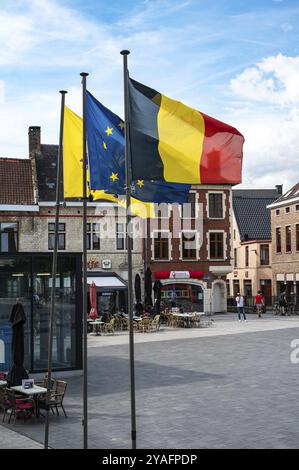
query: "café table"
34, 392
96, 325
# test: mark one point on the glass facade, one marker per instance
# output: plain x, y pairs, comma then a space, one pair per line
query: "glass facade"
28, 277
188, 296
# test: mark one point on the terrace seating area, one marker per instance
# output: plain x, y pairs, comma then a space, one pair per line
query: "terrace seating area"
22, 402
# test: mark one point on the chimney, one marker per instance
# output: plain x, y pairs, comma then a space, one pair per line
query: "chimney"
279, 189
34, 139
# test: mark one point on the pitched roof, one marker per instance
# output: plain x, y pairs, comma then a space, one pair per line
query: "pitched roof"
291, 194
251, 213
16, 182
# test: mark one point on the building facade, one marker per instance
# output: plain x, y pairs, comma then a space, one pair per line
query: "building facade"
252, 243
189, 249
285, 244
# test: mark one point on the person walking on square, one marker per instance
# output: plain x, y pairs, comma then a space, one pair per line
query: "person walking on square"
240, 306
259, 302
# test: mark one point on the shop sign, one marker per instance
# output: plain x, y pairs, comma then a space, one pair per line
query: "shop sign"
93, 263
179, 275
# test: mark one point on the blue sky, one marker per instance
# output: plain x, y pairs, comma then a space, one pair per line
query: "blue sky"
235, 60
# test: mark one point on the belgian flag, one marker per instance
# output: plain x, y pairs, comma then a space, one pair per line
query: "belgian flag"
172, 142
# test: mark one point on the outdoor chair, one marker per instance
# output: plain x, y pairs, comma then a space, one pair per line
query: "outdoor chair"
17, 407
155, 323
124, 323
109, 327
145, 325
56, 399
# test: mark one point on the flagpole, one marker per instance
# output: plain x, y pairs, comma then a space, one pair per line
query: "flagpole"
125, 54
54, 269
84, 268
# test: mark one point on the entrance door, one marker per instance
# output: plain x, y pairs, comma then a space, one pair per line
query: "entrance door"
218, 298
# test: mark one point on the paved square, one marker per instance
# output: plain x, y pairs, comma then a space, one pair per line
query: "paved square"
229, 386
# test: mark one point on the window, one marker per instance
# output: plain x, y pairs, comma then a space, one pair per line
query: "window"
278, 240
121, 237
188, 208
161, 245
234, 234
246, 256
51, 236
297, 207
8, 237
189, 245
277, 211
297, 237
264, 255
216, 205
216, 245
93, 236
235, 257
161, 211
288, 239
287, 210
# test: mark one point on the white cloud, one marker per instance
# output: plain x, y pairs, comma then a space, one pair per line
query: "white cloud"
273, 80
269, 120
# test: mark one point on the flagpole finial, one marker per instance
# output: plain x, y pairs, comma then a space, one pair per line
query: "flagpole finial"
63, 92
125, 52
84, 74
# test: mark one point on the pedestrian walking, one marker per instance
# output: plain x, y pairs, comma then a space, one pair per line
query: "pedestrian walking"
240, 306
259, 303
282, 303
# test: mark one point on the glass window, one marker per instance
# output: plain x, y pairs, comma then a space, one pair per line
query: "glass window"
216, 245
64, 341
235, 257
297, 237
264, 255
216, 205
161, 211
297, 207
189, 208
51, 236
277, 211
246, 256
189, 245
288, 238
287, 210
161, 245
121, 237
8, 237
93, 236
278, 240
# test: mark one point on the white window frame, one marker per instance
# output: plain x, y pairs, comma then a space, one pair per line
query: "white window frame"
153, 245
224, 245
196, 207
91, 232
223, 204
168, 211
197, 245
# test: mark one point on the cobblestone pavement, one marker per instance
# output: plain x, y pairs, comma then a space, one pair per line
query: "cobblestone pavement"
229, 386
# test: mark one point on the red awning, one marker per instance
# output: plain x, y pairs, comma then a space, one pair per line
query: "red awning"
179, 274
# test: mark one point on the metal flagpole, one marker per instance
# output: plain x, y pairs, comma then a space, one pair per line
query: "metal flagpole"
84, 267
125, 54
54, 269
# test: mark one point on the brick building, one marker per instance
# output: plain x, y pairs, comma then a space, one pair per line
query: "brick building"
285, 244
189, 249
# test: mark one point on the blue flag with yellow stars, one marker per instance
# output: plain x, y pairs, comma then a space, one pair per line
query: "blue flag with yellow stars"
106, 159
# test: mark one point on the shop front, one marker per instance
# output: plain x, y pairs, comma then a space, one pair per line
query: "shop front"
182, 289
111, 292
28, 277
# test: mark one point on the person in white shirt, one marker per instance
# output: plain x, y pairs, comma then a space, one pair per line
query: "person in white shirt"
240, 306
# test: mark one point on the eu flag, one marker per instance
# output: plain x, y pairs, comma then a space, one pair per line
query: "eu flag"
106, 158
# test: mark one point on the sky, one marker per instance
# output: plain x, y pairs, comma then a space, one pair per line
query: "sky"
235, 60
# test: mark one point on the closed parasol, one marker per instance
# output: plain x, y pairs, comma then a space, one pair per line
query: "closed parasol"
93, 314
17, 320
